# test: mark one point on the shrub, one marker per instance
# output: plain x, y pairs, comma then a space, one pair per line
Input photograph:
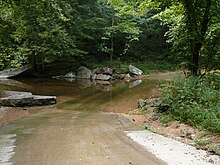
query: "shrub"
193, 101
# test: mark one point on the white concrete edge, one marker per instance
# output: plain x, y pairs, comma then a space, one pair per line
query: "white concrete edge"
171, 151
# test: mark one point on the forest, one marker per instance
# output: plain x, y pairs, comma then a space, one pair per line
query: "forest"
162, 34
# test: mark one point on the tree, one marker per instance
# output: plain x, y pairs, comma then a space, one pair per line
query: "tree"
197, 18
192, 30
123, 21
42, 32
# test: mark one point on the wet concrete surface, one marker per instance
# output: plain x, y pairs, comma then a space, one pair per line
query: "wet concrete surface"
80, 138
74, 132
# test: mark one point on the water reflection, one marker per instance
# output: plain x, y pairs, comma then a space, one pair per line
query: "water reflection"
84, 83
103, 85
135, 83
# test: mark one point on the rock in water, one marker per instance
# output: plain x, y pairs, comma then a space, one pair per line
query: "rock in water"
127, 76
104, 70
84, 72
134, 70
7, 73
103, 77
94, 76
22, 99
70, 75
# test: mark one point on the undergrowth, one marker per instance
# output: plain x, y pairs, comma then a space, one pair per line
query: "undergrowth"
194, 101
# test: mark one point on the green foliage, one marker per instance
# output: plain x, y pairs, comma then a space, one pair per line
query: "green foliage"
122, 27
214, 80
194, 101
55, 31
43, 32
193, 32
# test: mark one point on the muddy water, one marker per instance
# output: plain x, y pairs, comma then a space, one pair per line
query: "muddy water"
78, 129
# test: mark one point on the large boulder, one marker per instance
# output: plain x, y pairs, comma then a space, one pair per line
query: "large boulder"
22, 99
84, 73
135, 71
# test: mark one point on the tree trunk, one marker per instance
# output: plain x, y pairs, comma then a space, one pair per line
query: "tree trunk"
195, 59
112, 40
33, 61
197, 33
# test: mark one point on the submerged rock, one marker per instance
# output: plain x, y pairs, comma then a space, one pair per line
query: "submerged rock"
22, 99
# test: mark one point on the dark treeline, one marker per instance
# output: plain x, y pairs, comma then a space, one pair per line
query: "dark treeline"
83, 32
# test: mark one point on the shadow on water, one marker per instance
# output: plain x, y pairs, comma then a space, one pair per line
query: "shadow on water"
74, 99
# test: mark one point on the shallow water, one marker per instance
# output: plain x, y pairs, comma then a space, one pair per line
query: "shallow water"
66, 133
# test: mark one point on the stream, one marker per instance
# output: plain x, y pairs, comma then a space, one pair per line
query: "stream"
82, 128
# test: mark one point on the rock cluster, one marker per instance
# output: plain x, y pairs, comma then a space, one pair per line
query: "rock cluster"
100, 74
104, 74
